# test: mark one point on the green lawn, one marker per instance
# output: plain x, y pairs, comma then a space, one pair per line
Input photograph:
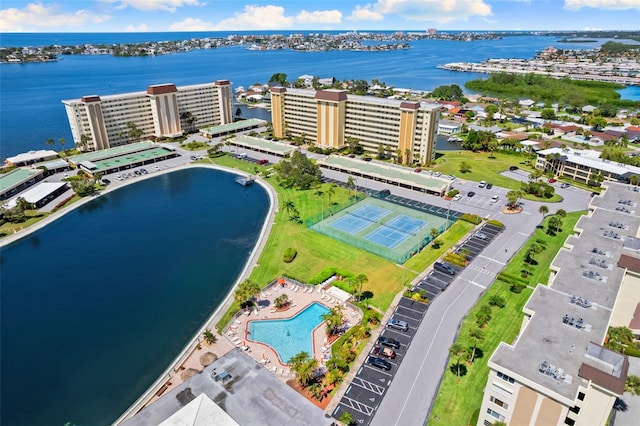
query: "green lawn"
487, 169
552, 243
457, 402
429, 255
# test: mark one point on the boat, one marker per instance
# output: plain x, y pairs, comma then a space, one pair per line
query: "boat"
245, 180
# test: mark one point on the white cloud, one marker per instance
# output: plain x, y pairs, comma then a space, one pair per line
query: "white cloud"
257, 18
434, 10
141, 28
191, 24
319, 17
602, 4
39, 15
148, 5
365, 13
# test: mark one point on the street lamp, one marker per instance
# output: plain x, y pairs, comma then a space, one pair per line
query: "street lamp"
448, 207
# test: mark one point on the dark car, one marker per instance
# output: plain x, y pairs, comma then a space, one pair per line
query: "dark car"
512, 168
384, 352
389, 341
489, 186
397, 324
564, 185
444, 267
105, 181
379, 362
263, 161
470, 194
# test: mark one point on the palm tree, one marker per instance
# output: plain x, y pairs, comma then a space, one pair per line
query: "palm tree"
543, 210
555, 223
84, 142
562, 213
458, 352
512, 199
359, 280
476, 335
290, 208
351, 184
209, 337
303, 367
331, 192
246, 291
62, 142
49, 142
333, 320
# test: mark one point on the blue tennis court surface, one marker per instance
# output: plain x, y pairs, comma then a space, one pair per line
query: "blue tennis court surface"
396, 231
355, 221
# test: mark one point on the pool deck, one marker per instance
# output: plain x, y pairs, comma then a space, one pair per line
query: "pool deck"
300, 296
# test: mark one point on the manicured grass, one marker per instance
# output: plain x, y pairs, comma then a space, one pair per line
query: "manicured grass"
458, 401
487, 169
553, 243
316, 251
33, 216
428, 255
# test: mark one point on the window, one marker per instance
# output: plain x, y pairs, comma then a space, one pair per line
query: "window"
495, 414
501, 403
575, 409
568, 421
487, 423
505, 377
581, 396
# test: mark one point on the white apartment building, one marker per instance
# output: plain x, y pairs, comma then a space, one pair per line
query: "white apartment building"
557, 372
328, 117
161, 111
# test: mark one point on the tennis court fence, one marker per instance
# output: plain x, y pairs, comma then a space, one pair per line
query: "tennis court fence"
333, 209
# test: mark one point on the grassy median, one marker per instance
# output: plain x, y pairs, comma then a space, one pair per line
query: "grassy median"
459, 400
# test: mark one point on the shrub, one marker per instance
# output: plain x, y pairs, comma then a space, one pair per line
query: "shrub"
471, 218
498, 301
436, 244
452, 193
512, 279
495, 223
455, 258
631, 351
517, 288
290, 254
327, 273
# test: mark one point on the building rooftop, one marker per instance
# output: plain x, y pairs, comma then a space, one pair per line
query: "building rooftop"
123, 160
16, 177
112, 152
278, 148
32, 156
37, 193
244, 389
560, 344
386, 171
586, 159
234, 126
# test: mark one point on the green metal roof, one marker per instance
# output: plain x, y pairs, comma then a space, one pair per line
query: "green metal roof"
390, 172
15, 177
94, 156
236, 125
132, 158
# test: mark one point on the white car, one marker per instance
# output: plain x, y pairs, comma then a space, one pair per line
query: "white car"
494, 199
457, 197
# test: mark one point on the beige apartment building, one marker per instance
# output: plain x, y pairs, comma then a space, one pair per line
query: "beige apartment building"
161, 111
557, 372
328, 117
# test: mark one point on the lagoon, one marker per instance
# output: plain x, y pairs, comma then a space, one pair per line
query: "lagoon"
97, 304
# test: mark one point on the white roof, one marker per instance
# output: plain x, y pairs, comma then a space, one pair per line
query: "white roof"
32, 156
339, 294
202, 411
529, 143
587, 158
36, 193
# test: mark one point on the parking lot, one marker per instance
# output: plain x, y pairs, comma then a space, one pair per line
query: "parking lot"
367, 388
245, 157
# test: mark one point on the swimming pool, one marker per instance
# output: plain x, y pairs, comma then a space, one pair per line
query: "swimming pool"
291, 336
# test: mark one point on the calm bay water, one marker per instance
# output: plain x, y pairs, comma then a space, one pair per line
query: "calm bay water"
96, 305
31, 110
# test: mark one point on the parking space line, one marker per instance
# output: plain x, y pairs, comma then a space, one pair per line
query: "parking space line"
368, 385
492, 259
402, 315
410, 309
378, 370
352, 403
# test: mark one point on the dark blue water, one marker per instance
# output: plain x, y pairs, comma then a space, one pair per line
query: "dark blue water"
31, 110
96, 305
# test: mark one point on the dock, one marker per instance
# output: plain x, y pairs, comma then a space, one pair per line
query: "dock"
245, 180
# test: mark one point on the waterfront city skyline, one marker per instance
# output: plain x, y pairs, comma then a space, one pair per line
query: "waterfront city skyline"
197, 15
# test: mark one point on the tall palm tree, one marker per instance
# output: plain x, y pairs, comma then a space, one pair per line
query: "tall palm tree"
62, 142
476, 335
333, 320
351, 184
289, 207
49, 142
359, 280
458, 352
543, 210
331, 192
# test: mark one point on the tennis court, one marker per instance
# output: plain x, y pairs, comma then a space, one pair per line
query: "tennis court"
396, 231
389, 230
356, 220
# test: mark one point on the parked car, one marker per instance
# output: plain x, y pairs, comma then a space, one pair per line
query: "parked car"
263, 161
494, 199
417, 170
480, 235
457, 197
564, 185
482, 184
489, 185
470, 194
389, 341
553, 180
384, 352
379, 362
397, 324
105, 181
444, 267
513, 168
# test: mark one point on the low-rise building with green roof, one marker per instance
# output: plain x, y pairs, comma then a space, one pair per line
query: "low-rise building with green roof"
232, 128
18, 180
265, 146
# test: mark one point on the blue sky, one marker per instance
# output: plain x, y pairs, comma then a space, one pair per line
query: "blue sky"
247, 15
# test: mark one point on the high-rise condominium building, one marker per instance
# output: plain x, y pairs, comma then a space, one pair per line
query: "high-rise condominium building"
100, 122
329, 117
557, 372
